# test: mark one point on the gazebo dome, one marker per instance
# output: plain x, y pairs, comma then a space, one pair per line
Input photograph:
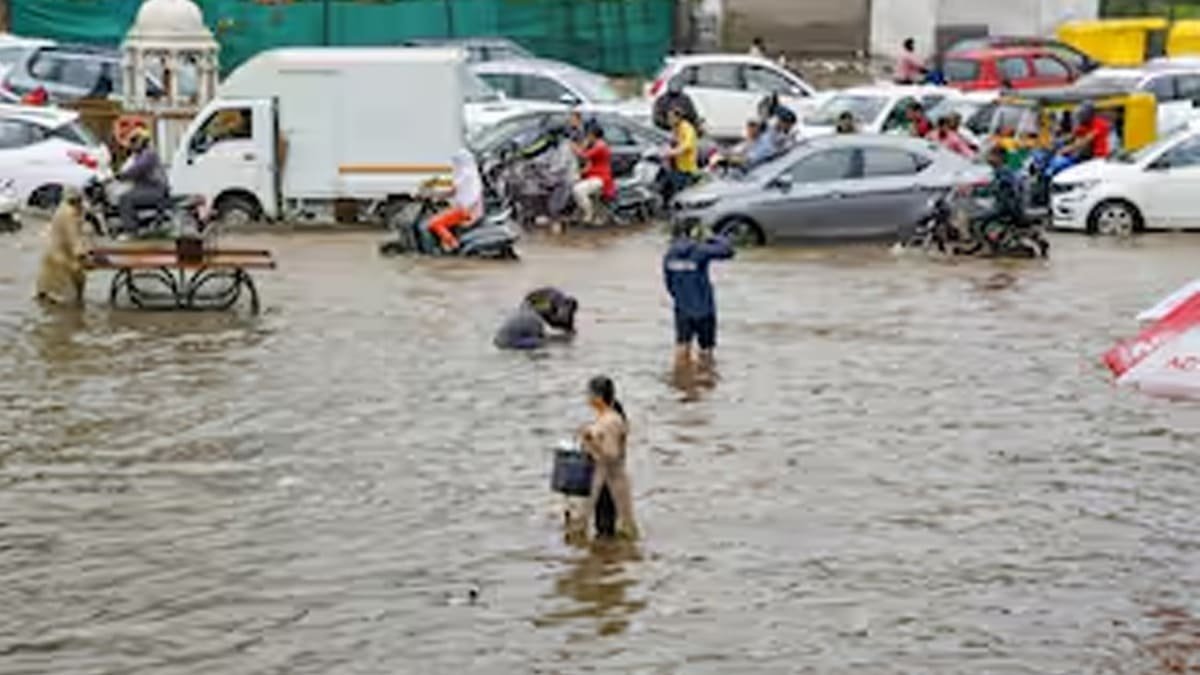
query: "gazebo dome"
169, 20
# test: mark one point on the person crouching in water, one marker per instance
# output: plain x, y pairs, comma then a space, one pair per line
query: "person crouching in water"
526, 327
63, 275
604, 440
466, 201
685, 272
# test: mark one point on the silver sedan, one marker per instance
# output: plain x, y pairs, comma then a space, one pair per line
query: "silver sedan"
857, 186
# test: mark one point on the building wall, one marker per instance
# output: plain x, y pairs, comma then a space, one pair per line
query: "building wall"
894, 20
799, 27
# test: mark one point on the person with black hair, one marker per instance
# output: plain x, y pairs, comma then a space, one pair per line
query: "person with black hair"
909, 69
597, 177
541, 308
604, 440
685, 273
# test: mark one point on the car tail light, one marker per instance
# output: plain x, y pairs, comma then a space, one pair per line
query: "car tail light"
83, 159
657, 86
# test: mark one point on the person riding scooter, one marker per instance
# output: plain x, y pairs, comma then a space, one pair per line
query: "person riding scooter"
675, 99
597, 178
467, 198
148, 180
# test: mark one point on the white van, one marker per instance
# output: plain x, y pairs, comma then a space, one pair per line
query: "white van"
294, 132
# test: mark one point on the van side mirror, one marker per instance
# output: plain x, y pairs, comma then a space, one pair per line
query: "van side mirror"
783, 182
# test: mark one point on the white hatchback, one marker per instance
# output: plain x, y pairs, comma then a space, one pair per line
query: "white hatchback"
1152, 188
727, 88
44, 149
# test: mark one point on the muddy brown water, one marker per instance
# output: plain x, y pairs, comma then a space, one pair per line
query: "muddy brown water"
907, 467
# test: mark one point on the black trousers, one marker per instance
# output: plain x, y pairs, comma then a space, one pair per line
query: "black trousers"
606, 514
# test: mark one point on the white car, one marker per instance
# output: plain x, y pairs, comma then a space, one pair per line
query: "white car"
1152, 188
13, 47
545, 82
1175, 84
43, 149
877, 109
485, 107
727, 88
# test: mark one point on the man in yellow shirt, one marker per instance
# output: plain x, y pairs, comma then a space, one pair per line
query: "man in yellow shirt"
684, 154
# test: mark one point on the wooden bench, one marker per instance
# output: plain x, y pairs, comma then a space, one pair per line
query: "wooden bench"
157, 277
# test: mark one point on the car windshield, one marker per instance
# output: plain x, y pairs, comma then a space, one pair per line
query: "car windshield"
594, 88
475, 90
1146, 151
75, 132
1109, 81
487, 138
864, 107
963, 107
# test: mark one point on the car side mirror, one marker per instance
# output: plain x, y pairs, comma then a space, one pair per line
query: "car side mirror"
1160, 164
568, 99
783, 182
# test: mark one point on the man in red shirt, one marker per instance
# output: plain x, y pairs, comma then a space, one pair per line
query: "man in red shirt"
596, 178
1091, 135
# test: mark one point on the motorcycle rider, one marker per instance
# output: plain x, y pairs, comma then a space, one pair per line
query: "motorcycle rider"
675, 99
1090, 140
738, 154
147, 177
597, 174
1008, 208
467, 197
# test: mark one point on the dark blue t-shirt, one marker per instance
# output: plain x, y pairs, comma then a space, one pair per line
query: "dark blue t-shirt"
685, 271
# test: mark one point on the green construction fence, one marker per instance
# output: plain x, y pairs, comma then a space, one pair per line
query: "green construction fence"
616, 37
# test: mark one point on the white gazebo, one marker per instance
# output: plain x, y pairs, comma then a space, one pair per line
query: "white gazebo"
169, 62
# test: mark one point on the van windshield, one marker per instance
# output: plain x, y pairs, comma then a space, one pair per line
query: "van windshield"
475, 90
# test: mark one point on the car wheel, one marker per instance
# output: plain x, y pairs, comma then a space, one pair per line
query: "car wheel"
234, 211
1115, 217
743, 232
46, 197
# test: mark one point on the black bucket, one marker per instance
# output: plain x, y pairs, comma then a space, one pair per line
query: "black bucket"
572, 472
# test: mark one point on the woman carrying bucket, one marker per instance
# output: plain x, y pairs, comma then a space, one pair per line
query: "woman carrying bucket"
609, 498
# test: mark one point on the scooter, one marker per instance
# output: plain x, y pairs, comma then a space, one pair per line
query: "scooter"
490, 237
170, 216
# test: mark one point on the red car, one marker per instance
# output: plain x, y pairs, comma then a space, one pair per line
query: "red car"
1007, 68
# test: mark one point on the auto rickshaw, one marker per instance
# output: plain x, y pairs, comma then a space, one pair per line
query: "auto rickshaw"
1035, 119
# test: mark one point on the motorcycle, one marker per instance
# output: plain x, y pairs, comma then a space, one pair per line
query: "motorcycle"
168, 218
489, 237
950, 230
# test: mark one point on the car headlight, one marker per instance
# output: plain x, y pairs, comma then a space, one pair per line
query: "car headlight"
1078, 186
698, 203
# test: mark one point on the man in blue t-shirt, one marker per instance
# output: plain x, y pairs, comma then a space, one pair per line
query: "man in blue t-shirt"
685, 271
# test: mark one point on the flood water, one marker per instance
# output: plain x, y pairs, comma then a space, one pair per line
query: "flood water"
906, 467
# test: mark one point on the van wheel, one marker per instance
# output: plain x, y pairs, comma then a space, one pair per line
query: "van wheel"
743, 232
234, 211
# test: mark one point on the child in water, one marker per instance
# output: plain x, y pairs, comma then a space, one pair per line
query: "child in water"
604, 439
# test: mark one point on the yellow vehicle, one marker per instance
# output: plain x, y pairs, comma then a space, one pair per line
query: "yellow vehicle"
1036, 119
1116, 42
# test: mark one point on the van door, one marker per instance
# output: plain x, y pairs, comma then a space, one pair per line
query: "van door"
232, 148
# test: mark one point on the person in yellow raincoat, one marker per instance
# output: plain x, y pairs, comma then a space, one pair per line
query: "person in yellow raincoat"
611, 500
63, 274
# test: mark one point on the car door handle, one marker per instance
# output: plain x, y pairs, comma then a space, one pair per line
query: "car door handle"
836, 195
249, 156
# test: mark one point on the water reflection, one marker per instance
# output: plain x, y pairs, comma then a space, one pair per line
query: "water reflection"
596, 585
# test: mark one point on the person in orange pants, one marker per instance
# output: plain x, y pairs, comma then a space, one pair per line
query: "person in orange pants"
467, 201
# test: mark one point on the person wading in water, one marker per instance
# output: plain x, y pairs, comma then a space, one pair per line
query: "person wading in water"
611, 500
